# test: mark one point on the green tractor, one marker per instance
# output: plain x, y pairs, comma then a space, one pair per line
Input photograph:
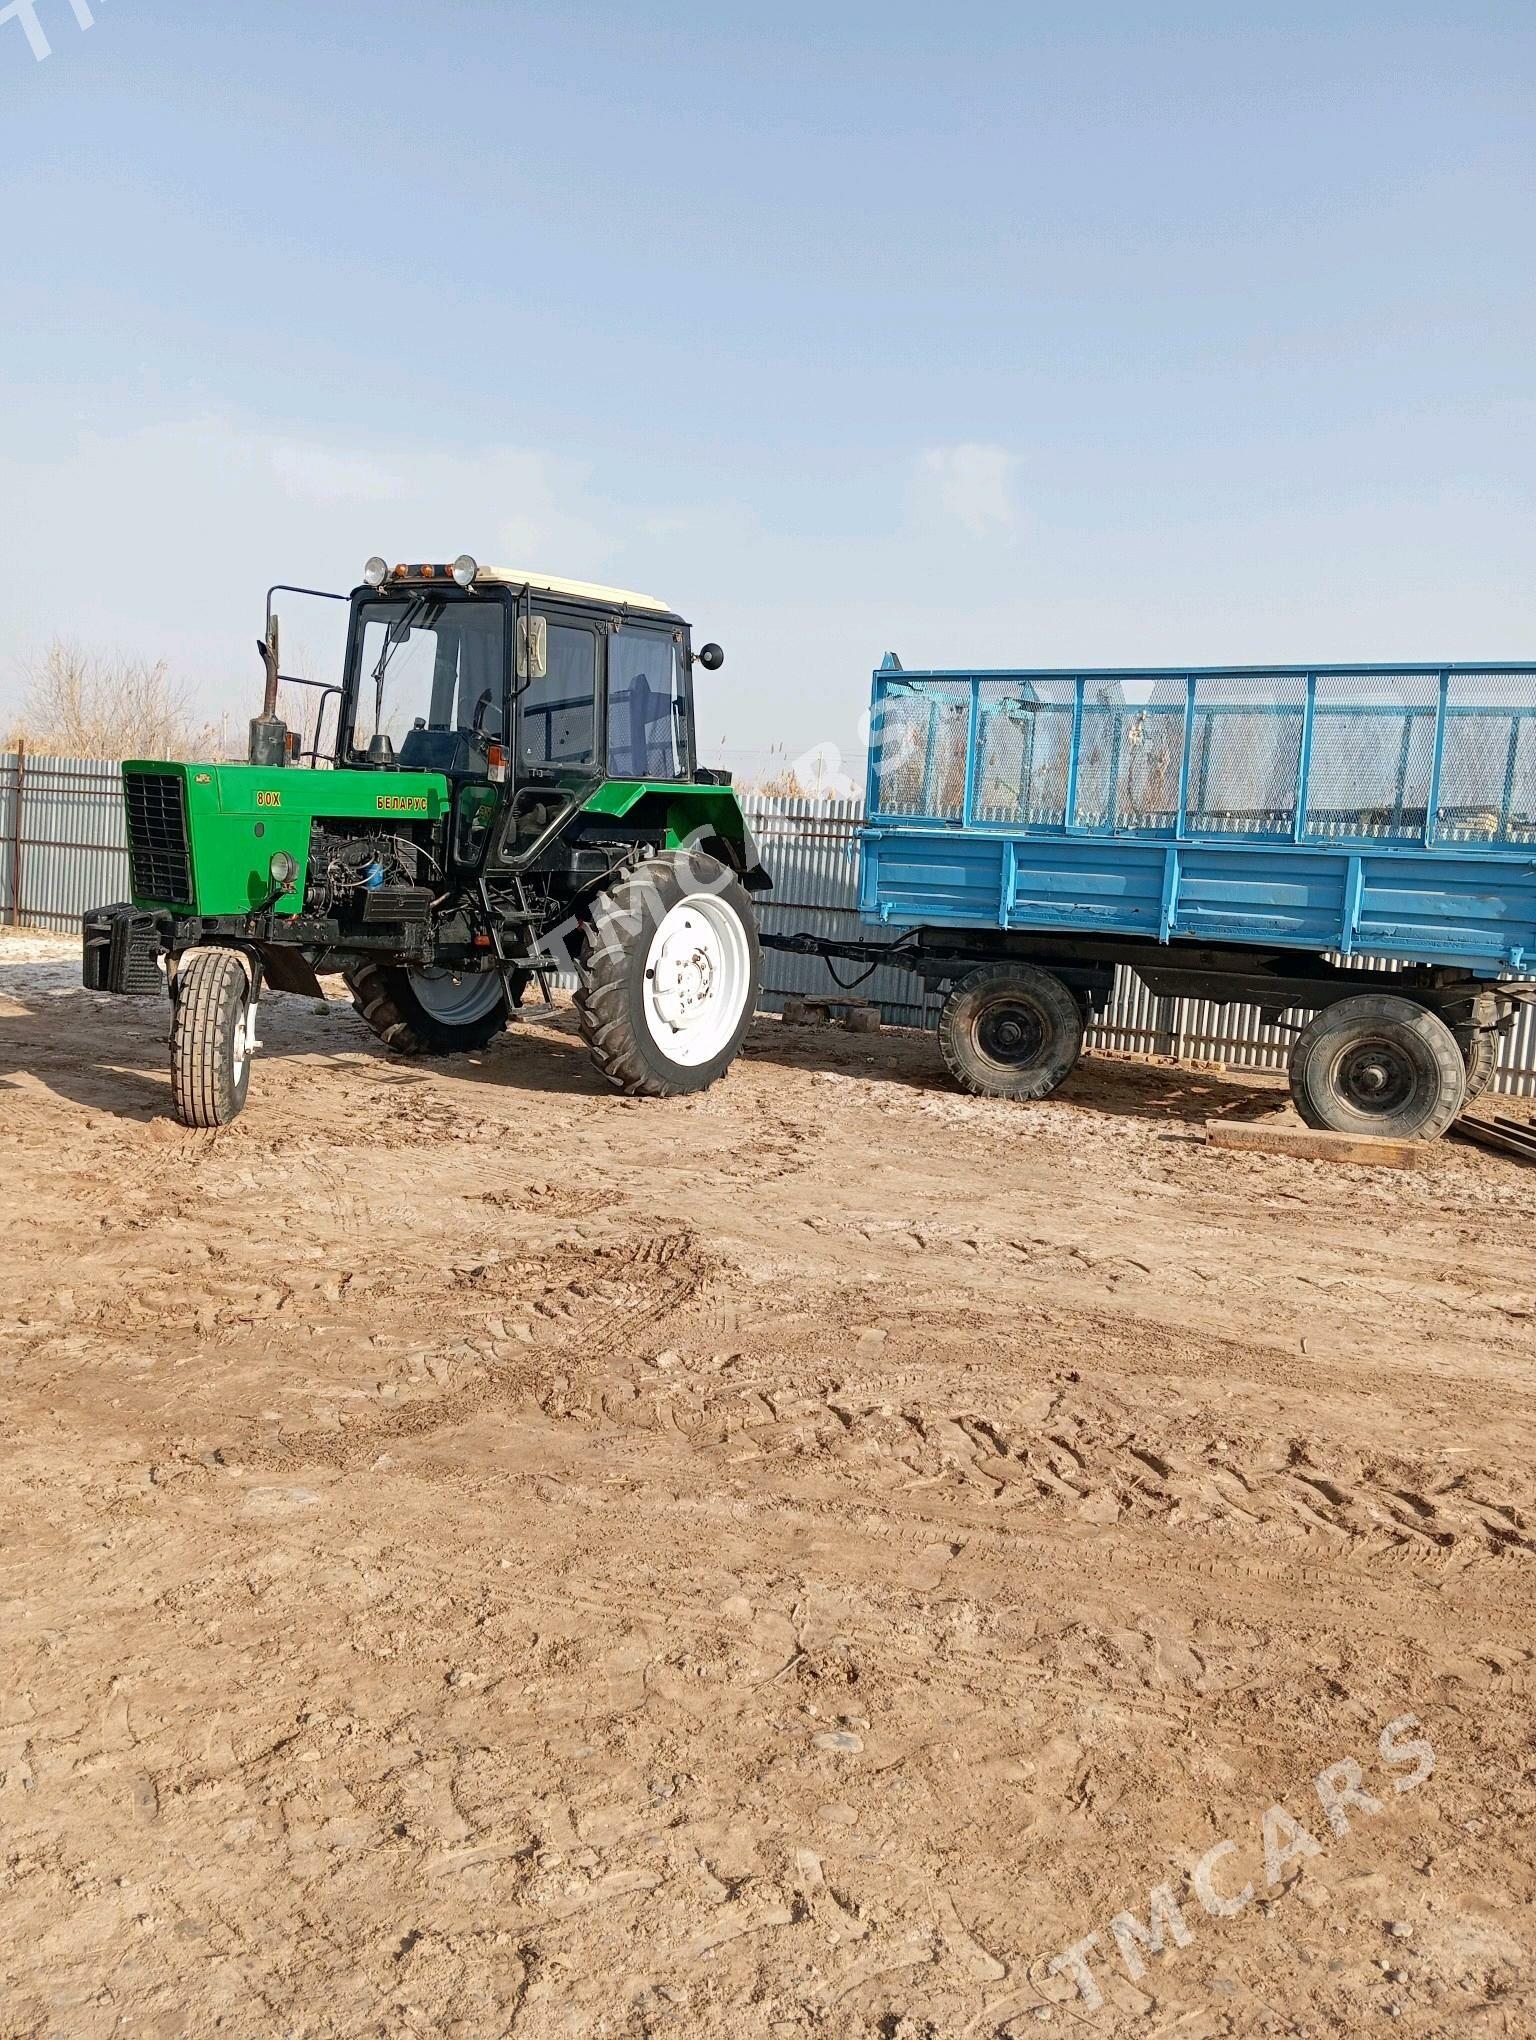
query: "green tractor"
511, 791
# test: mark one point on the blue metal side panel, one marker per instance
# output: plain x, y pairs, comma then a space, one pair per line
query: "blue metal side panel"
1430, 906
1295, 898
932, 878
1479, 911
1109, 887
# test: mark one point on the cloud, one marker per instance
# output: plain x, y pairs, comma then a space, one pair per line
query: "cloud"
320, 474
971, 485
161, 539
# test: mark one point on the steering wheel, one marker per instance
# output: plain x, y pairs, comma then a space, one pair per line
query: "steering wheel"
478, 725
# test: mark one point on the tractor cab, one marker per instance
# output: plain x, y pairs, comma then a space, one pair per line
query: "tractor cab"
481, 672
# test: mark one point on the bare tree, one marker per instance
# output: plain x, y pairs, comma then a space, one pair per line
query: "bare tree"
92, 705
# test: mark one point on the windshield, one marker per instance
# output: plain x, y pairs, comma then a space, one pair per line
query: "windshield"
432, 661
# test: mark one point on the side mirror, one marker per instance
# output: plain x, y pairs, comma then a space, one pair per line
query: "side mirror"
532, 647
711, 658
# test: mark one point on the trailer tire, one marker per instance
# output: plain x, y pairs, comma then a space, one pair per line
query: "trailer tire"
1011, 1030
671, 968
385, 996
210, 1048
1378, 1064
1480, 1052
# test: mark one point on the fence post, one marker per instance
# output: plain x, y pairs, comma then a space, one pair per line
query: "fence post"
21, 789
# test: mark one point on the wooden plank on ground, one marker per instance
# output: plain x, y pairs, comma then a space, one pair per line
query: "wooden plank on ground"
1503, 1136
1365, 1151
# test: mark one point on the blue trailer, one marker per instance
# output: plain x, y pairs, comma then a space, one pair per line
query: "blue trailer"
1270, 836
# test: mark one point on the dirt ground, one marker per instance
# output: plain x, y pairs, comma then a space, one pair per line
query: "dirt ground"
483, 1557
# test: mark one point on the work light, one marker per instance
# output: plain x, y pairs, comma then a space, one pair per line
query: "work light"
465, 570
376, 573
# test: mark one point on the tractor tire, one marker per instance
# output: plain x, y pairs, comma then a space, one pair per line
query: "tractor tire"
398, 1005
1378, 1064
1480, 1052
210, 1052
1011, 1030
670, 974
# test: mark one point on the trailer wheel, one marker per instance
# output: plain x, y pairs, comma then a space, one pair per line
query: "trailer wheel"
210, 1038
1378, 1064
1011, 1031
1480, 1052
670, 973
430, 1012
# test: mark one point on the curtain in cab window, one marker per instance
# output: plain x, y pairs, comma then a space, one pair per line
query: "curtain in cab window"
559, 712
643, 688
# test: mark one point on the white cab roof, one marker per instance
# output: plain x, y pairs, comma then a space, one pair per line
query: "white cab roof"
585, 591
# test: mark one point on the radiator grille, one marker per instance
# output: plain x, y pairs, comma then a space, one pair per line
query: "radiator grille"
157, 837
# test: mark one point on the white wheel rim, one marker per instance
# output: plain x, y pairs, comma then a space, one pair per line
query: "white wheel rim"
698, 979
241, 1045
457, 1000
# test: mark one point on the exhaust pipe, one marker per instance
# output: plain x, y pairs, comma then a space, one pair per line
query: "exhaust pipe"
269, 733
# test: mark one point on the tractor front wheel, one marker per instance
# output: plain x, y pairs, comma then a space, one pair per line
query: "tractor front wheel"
430, 1012
211, 1018
670, 974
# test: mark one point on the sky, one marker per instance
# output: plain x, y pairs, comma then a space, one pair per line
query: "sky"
998, 335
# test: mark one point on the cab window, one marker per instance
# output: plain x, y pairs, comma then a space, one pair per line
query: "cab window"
557, 711
647, 726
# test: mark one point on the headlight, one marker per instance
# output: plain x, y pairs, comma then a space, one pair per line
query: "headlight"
465, 570
376, 573
284, 871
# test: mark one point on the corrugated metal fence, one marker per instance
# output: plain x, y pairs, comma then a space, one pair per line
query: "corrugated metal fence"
62, 851
62, 848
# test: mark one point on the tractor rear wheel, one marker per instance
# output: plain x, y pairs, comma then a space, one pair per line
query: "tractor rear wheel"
210, 1037
1011, 1030
430, 1012
670, 973
1378, 1063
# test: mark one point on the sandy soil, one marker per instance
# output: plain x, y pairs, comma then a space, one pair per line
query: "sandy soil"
481, 1557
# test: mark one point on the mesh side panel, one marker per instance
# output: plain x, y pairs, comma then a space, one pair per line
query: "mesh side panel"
1095, 756
1522, 801
922, 737
900, 731
1247, 755
1488, 778
1003, 747
944, 765
1373, 748
1370, 772
1048, 754
1151, 755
